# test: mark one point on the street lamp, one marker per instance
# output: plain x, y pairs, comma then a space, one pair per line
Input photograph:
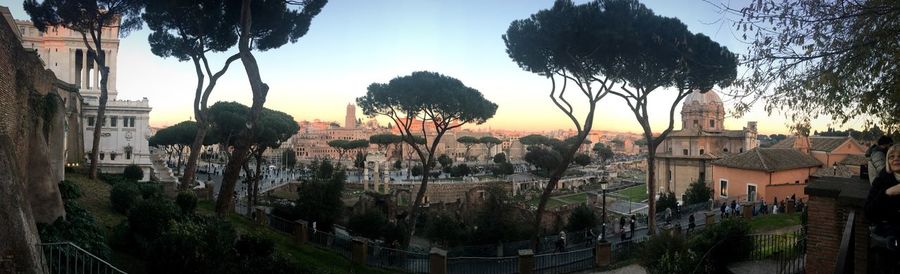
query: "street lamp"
603, 185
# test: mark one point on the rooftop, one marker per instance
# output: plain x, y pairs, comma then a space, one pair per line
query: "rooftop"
769, 159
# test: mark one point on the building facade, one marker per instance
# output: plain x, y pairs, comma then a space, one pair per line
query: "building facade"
126, 125
763, 174
685, 156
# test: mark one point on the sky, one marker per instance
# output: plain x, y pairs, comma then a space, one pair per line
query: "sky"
353, 44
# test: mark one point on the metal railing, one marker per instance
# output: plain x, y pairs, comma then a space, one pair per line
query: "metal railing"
845, 253
625, 252
488, 265
389, 258
66, 257
788, 250
564, 262
282, 224
326, 240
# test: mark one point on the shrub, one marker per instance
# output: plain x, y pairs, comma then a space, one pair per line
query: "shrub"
187, 201
504, 169
150, 218
446, 230
370, 224
150, 190
667, 253
133, 173
500, 158
460, 170
196, 245
697, 192
79, 227
666, 200
124, 196
724, 243
69, 190
581, 218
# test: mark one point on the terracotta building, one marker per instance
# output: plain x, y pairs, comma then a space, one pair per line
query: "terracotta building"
763, 174
685, 156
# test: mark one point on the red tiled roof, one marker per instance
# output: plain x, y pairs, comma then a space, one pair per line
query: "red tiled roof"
769, 159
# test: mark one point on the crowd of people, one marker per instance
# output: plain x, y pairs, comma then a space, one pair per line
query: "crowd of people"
882, 207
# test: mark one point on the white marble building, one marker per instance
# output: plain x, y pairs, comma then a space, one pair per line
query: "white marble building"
127, 123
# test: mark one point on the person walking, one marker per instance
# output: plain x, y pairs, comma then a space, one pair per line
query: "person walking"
632, 225
691, 223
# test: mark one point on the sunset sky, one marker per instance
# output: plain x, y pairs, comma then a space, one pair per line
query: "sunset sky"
352, 44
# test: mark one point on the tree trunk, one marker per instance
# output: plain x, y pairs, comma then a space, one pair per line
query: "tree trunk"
190, 170
545, 196
260, 89
101, 113
651, 187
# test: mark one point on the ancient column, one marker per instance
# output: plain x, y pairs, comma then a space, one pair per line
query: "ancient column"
96, 81
71, 67
84, 69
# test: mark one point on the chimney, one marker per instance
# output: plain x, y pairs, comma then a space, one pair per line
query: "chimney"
801, 143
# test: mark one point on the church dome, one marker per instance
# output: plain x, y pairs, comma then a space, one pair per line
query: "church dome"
703, 98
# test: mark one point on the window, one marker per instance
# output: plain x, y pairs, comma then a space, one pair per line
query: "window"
696, 123
90, 121
669, 175
102, 155
701, 151
132, 121
712, 123
723, 188
725, 149
112, 156
685, 151
113, 120
797, 182
742, 150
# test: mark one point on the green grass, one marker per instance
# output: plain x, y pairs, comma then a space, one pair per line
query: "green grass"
95, 198
579, 198
771, 222
301, 254
551, 203
636, 193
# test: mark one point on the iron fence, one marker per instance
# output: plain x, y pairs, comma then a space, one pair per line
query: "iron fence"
487, 265
282, 224
66, 257
788, 250
564, 262
329, 241
389, 258
626, 251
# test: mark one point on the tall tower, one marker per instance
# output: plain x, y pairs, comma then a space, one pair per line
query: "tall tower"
350, 119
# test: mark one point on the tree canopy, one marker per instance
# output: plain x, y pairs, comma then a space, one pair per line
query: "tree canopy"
810, 58
603, 151
435, 102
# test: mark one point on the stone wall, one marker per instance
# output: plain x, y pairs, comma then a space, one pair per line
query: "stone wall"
32, 154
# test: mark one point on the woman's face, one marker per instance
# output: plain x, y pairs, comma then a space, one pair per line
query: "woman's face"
893, 160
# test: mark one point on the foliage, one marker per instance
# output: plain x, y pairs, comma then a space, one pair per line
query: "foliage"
446, 230
723, 243
360, 160
667, 253
697, 192
150, 219
370, 224
69, 190
489, 142
460, 170
811, 58
124, 196
603, 151
187, 202
582, 218
498, 219
133, 172
504, 169
500, 158
425, 97
384, 140
416, 170
319, 197
196, 245
78, 226
543, 158
582, 159
445, 160
666, 200
398, 165
468, 142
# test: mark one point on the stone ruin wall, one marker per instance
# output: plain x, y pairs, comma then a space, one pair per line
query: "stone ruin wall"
33, 116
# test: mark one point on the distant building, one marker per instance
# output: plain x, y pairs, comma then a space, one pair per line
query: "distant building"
685, 156
350, 117
126, 123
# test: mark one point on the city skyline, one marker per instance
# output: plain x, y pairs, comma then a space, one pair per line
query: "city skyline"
354, 44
